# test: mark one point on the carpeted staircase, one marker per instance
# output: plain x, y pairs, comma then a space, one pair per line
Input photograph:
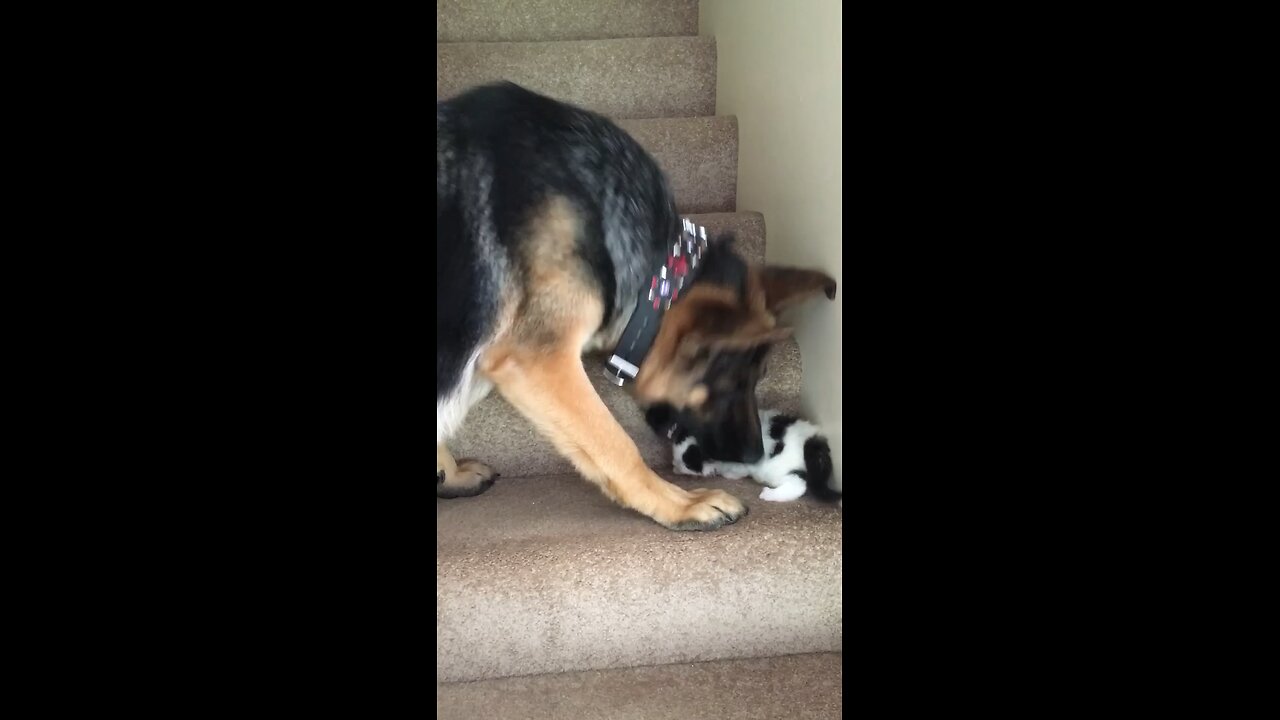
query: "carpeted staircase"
551, 601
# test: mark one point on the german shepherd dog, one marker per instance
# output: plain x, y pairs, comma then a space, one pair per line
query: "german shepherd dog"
550, 220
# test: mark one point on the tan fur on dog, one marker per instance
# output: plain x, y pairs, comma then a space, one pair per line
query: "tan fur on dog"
535, 362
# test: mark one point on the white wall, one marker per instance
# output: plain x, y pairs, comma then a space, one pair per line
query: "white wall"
779, 70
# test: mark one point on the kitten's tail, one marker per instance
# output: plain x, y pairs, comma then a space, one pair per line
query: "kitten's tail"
818, 471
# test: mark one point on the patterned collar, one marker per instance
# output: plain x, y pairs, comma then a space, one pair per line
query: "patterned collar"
677, 272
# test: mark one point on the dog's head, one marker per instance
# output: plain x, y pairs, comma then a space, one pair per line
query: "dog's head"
702, 369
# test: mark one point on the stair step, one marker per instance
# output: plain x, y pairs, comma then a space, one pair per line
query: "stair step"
630, 77
747, 229
699, 156
798, 687
503, 20
498, 435
546, 575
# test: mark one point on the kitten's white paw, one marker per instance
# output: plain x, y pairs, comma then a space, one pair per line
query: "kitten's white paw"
791, 488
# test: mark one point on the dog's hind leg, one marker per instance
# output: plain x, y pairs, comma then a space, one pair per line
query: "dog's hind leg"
468, 477
549, 386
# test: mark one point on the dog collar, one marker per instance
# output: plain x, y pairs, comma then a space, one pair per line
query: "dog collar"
676, 273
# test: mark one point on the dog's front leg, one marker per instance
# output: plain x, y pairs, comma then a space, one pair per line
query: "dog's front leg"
464, 479
550, 388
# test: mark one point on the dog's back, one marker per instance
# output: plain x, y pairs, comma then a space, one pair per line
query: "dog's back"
550, 223
509, 163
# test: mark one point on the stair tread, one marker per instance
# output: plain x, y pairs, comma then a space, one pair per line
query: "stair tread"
804, 687
650, 77
545, 575
497, 434
497, 20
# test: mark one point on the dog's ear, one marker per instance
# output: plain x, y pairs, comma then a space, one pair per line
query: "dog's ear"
783, 287
710, 321
746, 336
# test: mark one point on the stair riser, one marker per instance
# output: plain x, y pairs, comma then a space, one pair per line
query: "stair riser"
699, 157
610, 604
746, 227
532, 20
630, 78
800, 687
499, 436
552, 637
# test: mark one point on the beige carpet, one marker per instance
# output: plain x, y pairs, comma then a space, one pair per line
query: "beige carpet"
613, 77
552, 602
547, 575
507, 20
699, 156
796, 687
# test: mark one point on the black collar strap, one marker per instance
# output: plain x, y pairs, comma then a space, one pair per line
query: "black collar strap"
677, 272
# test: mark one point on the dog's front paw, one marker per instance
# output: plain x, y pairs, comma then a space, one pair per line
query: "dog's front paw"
708, 510
472, 478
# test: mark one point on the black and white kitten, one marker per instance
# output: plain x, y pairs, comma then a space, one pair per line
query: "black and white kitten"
797, 458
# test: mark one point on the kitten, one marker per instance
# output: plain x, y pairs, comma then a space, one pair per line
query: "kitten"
797, 459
